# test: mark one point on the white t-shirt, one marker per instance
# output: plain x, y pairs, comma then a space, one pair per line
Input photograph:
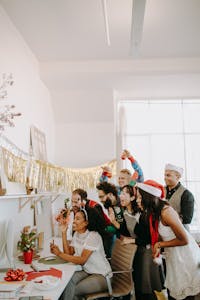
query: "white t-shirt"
97, 262
70, 226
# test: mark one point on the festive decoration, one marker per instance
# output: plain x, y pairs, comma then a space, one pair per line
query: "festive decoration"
15, 275
6, 116
46, 177
27, 239
27, 243
86, 178
14, 167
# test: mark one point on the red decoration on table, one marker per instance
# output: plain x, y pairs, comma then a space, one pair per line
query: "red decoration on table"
28, 257
15, 275
53, 272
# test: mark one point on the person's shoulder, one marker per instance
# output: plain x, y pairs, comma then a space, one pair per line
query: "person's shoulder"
94, 235
187, 193
167, 210
169, 216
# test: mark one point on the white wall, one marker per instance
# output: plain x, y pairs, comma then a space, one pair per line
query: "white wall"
81, 145
28, 93
163, 86
82, 96
32, 99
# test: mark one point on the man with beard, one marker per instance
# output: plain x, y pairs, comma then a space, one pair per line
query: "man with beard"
108, 196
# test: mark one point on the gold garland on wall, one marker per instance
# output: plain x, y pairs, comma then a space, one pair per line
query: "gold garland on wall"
87, 178
46, 177
14, 167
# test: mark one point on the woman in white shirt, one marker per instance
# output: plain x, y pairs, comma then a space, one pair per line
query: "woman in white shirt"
86, 249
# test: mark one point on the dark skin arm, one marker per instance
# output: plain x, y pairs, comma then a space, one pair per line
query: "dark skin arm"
78, 260
170, 218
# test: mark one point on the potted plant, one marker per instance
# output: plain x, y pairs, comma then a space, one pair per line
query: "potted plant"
27, 243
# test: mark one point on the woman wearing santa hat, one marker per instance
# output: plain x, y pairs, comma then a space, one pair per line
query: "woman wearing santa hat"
181, 251
148, 276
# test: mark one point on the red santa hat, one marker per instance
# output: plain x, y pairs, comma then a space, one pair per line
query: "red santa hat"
152, 187
171, 167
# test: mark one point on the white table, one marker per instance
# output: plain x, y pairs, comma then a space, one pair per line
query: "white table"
54, 294
68, 270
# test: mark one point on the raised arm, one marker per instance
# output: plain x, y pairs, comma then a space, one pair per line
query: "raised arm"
106, 174
63, 225
138, 173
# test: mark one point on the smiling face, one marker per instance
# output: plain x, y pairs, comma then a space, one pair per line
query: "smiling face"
126, 198
76, 202
123, 179
80, 224
171, 178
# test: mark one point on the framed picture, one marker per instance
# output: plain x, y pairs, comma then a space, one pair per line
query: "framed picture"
38, 144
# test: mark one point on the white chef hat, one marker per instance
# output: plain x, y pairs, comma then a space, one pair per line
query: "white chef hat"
174, 168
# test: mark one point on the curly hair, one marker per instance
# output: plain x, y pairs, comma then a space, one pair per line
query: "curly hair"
107, 188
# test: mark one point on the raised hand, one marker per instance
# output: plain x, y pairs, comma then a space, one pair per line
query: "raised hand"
111, 214
107, 171
63, 219
125, 154
54, 249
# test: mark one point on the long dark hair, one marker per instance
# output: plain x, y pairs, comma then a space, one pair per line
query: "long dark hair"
152, 204
95, 218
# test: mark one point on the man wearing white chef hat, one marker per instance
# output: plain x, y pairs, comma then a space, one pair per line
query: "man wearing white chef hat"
180, 198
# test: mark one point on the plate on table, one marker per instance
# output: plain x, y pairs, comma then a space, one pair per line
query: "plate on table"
45, 283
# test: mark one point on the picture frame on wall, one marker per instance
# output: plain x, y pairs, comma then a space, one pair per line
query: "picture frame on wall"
38, 144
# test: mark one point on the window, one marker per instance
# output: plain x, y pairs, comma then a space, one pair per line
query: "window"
163, 131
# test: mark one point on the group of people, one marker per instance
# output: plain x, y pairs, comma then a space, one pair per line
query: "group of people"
141, 212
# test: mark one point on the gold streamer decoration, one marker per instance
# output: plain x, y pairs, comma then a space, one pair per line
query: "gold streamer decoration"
46, 177
14, 167
87, 178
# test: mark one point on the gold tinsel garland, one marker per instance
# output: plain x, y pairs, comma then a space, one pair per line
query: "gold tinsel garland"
14, 167
86, 178
47, 177
44, 176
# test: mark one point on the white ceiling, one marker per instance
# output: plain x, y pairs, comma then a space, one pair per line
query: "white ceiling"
69, 40
75, 29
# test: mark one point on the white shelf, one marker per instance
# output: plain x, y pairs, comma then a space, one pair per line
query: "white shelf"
24, 198
17, 196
